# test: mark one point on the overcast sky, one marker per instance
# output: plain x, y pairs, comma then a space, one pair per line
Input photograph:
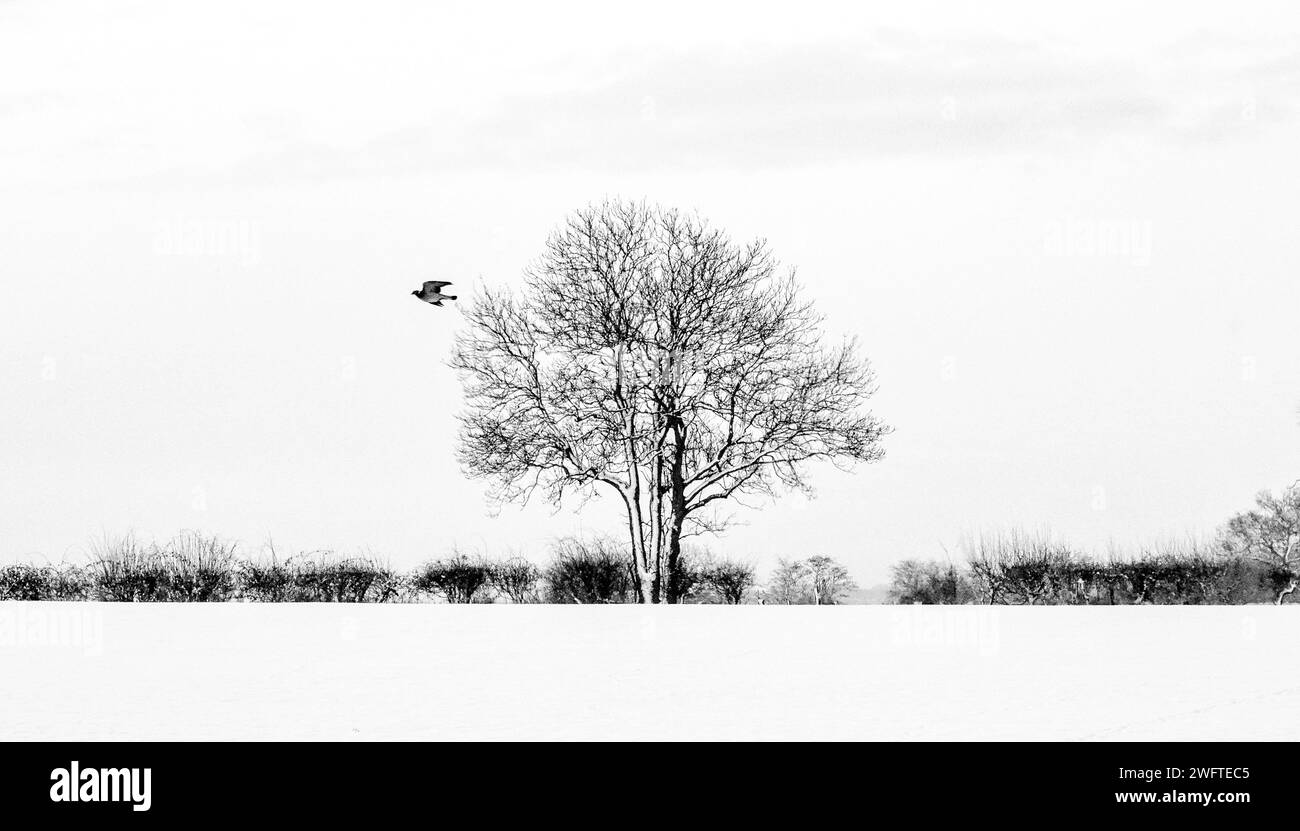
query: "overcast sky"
1065, 237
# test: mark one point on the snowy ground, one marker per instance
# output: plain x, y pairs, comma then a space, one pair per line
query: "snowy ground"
305, 671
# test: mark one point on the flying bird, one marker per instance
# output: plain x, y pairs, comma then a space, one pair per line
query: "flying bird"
432, 292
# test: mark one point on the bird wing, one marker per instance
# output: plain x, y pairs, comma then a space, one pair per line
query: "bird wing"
434, 285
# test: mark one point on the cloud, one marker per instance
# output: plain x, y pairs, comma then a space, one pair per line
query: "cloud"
846, 102
897, 94
28, 103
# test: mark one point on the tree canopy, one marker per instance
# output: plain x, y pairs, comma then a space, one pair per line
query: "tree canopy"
652, 356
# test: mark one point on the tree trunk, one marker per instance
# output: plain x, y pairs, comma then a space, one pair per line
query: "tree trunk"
1282, 594
677, 509
643, 579
674, 559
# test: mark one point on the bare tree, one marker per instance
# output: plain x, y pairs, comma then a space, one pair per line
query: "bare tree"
730, 580
1212, 576
1023, 567
1270, 535
516, 578
655, 359
828, 580
984, 560
929, 582
789, 583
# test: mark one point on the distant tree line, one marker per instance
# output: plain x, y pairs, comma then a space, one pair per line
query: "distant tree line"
1254, 558
198, 568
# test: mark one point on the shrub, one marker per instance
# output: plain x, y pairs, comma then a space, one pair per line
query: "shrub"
320, 577
201, 569
1240, 580
390, 586
588, 571
729, 580
24, 582
928, 582
69, 583
1021, 567
1030, 569
331, 580
456, 579
190, 567
126, 571
515, 578
1033, 567
270, 581
29, 582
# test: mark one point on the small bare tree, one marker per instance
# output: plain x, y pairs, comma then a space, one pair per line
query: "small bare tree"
516, 578
730, 580
789, 583
828, 580
1270, 535
985, 562
928, 582
1030, 564
655, 359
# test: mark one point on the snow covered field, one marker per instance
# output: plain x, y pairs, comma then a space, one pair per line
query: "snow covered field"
306, 671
